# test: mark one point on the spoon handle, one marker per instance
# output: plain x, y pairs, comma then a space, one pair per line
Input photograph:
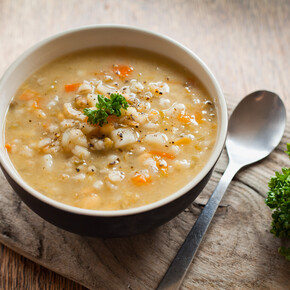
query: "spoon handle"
176, 272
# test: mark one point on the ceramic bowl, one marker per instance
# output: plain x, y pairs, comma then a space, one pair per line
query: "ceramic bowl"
120, 222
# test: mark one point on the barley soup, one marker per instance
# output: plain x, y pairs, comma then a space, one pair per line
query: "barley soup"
110, 128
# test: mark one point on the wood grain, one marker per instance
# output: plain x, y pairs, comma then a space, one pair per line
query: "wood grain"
247, 46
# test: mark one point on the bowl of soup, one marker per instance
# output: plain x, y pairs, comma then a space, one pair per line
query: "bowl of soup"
109, 130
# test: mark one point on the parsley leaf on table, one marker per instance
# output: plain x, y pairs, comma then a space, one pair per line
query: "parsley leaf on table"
285, 252
279, 201
288, 149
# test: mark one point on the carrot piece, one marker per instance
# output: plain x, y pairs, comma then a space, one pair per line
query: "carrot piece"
122, 71
184, 118
141, 179
112, 119
198, 117
8, 147
45, 125
161, 166
35, 105
71, 87
182, 141
28, 95
162, 154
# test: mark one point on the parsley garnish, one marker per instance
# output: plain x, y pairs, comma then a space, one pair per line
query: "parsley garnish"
288, 149
279, 201
285, 252
106, 107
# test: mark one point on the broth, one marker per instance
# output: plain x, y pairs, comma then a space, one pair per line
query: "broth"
157, 145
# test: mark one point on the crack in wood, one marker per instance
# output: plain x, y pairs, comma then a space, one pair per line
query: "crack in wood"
40, 248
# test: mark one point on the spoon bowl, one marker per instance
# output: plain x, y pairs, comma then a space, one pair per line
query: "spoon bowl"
256, 127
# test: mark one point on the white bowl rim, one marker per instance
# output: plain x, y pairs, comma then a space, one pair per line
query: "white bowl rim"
145, 208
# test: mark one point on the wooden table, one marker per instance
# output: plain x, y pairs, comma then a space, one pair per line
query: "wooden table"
245, 43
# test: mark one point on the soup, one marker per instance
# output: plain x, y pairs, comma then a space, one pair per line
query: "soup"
110, 128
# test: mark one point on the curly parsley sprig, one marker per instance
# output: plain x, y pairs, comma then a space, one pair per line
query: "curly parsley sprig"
279, 201
288, 149
285, 252
105, 108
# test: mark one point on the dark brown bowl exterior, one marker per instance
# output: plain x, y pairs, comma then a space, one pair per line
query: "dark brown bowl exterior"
108, 227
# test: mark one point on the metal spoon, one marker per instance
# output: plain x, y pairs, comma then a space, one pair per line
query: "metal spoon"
255, 128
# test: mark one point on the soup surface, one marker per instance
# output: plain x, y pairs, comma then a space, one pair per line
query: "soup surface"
110, 128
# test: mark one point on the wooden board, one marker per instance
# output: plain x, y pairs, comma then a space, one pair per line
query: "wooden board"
246, 44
